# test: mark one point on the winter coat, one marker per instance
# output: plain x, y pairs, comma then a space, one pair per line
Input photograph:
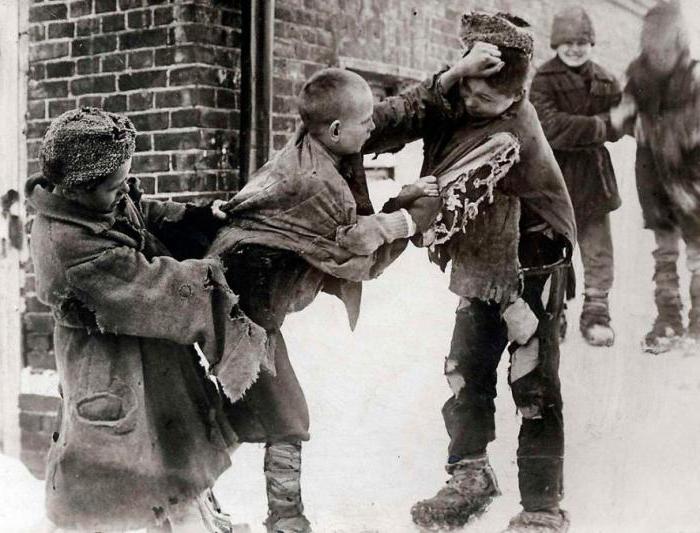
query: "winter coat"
668, 145
535, 182
573, 107
141, 430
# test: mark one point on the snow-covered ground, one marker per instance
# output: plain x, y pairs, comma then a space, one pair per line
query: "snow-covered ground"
378, 441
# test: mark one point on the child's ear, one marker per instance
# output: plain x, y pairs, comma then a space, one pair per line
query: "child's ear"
334, 130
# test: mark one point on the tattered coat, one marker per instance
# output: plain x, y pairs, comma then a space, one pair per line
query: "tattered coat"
573, 107
141, 429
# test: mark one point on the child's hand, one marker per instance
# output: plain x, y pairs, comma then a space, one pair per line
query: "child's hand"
427, 185
483, 60
623, 112
216, 209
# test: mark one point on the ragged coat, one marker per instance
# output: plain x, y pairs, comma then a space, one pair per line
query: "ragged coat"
573, 107
141, 427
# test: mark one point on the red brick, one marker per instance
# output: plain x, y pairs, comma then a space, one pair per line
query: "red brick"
93, 84
195, 75
229, 181
35, 440
90, 101
60, 69
186, 97
177, 141
143, 39
226, 99
112, 23
37, 72
37, 33
200, 14
145, 79
48, 12
49, 89
186, 54
144, 143
191, 181
80, 8
125, 5
60, 30
202, 33
87, 26
33, 305
114, 63
150, 121
139, 19
36, 109
140, 101
115, 103
141, 59
58, 107
163, 16
150, 163
88, 65
44, 51
105, 6
38, 322
94, 45
147, 184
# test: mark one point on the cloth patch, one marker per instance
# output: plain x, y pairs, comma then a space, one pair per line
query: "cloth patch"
469, 183
521, 321
524, 360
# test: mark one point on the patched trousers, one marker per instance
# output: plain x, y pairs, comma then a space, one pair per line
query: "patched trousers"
479, 339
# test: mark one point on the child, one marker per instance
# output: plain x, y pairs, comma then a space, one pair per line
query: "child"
664, 83
301, 225
142, 437
530, 224
575, 99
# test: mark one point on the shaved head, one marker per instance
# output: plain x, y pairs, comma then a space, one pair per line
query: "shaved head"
331, 94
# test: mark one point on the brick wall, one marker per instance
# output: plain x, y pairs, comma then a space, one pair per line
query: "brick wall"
173, 67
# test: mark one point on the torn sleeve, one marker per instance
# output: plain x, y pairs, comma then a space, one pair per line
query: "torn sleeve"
178, 301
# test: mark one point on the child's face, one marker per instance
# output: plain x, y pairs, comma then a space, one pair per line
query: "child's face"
575, 53
482, 100
352, 131
105, 197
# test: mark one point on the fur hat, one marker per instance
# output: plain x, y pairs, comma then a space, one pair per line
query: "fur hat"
501, 29
572, 24
83, 146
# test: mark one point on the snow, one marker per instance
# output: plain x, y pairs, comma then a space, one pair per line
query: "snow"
378, 442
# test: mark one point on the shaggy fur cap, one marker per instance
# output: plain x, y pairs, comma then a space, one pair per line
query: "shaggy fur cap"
572, 24
83, 146
501, 29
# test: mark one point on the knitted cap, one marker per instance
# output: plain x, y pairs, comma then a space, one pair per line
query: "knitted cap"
572, 24
83, 146
501, 29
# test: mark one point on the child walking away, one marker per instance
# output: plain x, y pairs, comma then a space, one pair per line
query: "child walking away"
142, 434
574, 98
664, 83
526, 228
304, 223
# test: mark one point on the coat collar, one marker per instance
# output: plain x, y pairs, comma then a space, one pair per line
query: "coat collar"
51, 205
557, 66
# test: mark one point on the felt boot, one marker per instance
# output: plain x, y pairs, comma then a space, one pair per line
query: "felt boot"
668, 326
556, 521
595, 319
470, 489
282, 473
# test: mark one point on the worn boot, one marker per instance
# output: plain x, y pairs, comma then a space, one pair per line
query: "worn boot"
556, 521
283, 472
470, 489
667, 330
595, 319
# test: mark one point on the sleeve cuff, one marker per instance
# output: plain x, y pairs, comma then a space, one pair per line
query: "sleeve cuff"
412, 228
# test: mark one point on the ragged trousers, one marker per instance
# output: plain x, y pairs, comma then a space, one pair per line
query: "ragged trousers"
479, 339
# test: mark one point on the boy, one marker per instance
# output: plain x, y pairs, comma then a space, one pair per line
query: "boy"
302, 225
530, 224
574, 98
142, 436
664, 83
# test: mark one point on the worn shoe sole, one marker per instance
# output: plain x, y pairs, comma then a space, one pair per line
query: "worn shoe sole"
429, 518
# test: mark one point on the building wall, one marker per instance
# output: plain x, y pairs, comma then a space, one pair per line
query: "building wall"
174, 68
